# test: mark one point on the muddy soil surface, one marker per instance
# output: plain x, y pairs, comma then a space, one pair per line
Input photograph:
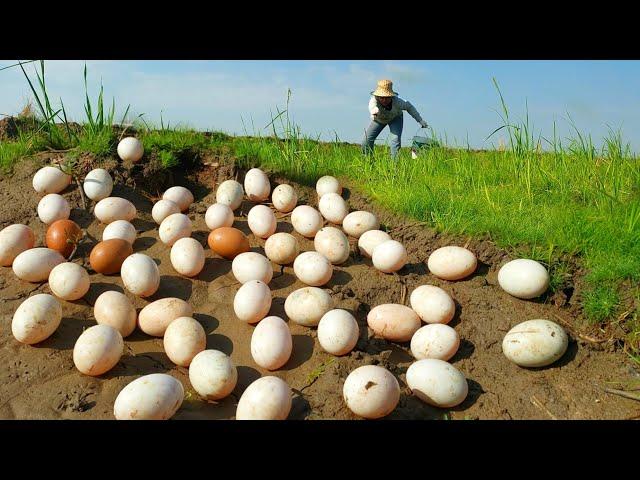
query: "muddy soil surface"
41, 382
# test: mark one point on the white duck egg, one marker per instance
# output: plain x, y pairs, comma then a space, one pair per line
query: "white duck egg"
432, 304
218, 215
111, 209
53, 207
328, 184
140, 275
313, 268
50, 180
252, 301
306, 220
535, 343
252, 266
213, 374
36, 319
358, 222
230, 193
333, 207
187, 257
35, 265
69, 281
369, 240
435, 341
437, 383
130, 149
256, 185
393, 322
162, 209
307, 305
338, 332
389, 256
180, 196
523, 278
183, 339
14, 240
284, 198
262, 221
371, 391
116, 310
157, 396
281, 248
97, 350
452, 263
157, 316
120, 229
98, 184
333, 244
271, 343
174, 227
268, 398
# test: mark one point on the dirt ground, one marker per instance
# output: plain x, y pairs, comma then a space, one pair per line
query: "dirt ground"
41, 382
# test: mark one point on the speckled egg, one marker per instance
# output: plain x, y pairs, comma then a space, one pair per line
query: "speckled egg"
230, 193
252, 266
284, 198
281, 248
313, 268
306, 220
358, 222
333, 244
307, 305
535, 343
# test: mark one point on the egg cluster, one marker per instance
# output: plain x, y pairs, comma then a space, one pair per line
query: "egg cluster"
369, 391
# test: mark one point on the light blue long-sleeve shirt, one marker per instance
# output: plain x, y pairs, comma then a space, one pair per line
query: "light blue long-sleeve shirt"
398, 105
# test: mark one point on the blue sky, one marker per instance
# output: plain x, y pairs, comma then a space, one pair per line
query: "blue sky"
457, 98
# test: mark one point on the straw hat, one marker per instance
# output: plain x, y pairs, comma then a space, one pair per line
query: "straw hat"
385, 89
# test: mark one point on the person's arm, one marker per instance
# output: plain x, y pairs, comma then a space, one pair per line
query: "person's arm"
373, 106
414, 113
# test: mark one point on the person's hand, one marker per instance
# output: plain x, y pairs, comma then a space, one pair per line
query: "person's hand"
423, 124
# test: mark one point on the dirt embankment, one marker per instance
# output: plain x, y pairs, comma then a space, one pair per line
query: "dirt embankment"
41, 381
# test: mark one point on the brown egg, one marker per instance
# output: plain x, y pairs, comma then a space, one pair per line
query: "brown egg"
107, 257
228, 242
63, 236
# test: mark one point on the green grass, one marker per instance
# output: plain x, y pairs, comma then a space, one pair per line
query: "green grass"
571, 200
13, 151
600, 303
100, 144
180, 146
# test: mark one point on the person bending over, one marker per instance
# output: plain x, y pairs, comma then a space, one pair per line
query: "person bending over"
386, 108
